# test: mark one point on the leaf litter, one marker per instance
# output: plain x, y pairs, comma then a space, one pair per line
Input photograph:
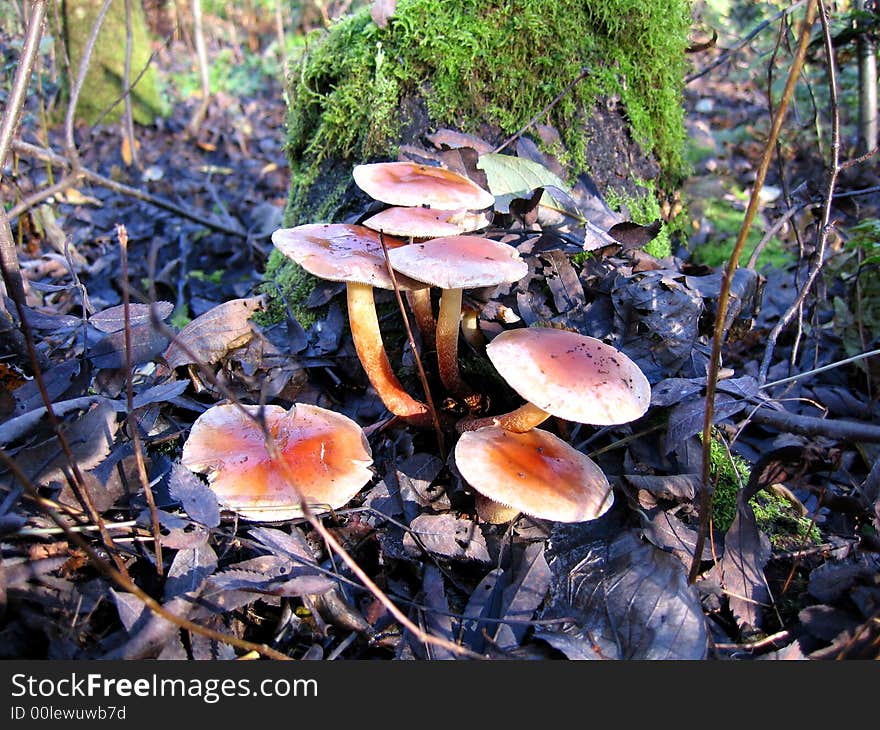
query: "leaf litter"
615, 588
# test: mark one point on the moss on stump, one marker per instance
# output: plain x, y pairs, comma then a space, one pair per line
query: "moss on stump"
104, 81
486, 68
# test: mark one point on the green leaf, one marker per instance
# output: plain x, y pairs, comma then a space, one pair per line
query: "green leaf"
511, 177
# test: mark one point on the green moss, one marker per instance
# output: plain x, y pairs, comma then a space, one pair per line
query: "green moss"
479, 64
295, 286
726, 218
495, 63
104, 81
644, 209
774, 514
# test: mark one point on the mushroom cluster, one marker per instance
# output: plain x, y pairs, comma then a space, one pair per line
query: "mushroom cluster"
425, 239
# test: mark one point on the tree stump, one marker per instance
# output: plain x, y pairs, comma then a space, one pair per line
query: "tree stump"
360, 92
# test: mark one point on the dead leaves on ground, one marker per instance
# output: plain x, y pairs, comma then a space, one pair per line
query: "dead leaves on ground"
612, 589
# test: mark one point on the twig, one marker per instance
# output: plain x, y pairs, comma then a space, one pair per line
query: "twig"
772, 231
811, 426
85, 173
429, 401
824, 226
822, 369
727, 280
202, 56
15, 101
128, 126
9, 263
122, 235
76, 88
122, 579
739, 44
33, 200
561, 95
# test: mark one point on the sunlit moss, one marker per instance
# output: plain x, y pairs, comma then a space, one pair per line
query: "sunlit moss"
774, 515
477, 63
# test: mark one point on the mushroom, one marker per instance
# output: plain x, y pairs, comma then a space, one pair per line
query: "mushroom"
353, 254
567, 375
454, 263
428, 202
326, 452
535, 473
421, 223
415, 185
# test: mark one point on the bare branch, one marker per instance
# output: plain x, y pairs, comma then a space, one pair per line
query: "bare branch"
727, 280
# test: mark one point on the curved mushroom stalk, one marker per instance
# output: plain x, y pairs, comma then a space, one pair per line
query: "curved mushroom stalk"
367, 338
523, 419
355, 255
454, 263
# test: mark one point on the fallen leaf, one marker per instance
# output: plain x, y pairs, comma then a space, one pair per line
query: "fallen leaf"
627, 599
211, 335
633, 235
381, 11
448, 536
112, 319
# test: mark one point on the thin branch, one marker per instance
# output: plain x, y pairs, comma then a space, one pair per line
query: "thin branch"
561, 95
12, 280
122, 235
727, 280
122, 579
824, 225
33, 200
429, 401
741, 43
76, 89
128, 125
15, 101
84, 172
811, 426
814, 371
202, 56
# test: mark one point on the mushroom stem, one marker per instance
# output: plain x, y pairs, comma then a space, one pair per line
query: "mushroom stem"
447, 347
470, 329
367, 338
523, 419
420, 302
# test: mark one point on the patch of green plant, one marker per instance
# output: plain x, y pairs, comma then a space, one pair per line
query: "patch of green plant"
645, 209
478, 63
726, 219
857, 312
774, 514
287, 285
497, 64
229, 75
215, 277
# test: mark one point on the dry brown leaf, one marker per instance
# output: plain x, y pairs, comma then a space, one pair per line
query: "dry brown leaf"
211, 335
126, 152
382, 10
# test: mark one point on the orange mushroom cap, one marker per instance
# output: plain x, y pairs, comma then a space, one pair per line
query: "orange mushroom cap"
425, 222
534, 472
326, 452
412, 184
341, 252
571, 376
459, 262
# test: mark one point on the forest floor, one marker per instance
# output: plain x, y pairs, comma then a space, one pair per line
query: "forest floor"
791, 571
